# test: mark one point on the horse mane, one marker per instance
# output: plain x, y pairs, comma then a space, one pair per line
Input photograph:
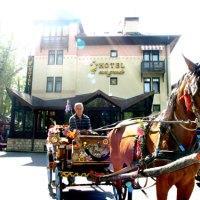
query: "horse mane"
181, 80
167, 114
196, 69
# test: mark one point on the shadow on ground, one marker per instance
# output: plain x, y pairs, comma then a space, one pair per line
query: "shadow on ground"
37, 159
84, 195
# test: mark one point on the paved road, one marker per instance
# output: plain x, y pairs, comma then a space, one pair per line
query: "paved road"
23, 176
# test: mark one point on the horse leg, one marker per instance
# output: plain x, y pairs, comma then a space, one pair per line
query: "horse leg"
162, 188
118, 184
184, 189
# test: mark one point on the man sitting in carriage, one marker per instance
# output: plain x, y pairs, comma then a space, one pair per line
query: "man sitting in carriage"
79, 121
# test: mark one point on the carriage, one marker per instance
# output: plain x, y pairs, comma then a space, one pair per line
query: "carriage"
69, 157
166, 147
88, 155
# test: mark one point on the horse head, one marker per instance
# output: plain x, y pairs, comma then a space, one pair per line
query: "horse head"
188, 93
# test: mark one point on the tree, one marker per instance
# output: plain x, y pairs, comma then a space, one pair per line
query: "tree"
7, 74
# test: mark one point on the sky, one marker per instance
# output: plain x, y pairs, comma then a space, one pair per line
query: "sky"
179, 17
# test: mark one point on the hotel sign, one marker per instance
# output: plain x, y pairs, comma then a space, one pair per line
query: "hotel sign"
29, 75
107, 68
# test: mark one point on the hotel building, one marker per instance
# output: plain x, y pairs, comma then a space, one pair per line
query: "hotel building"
116, 77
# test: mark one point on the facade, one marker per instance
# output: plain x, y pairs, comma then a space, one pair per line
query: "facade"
113, 76
123, 66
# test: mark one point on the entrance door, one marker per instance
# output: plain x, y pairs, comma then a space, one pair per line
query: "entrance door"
102, 116
102, 112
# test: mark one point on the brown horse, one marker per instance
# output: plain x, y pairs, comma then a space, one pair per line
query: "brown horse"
184, 104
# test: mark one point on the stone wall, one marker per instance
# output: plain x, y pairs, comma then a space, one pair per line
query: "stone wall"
16, 144
39, 145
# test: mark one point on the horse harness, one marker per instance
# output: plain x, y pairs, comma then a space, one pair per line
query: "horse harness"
168, 155
165, 128
159, 154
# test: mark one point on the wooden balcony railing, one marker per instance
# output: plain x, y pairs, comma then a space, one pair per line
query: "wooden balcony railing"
153, 67
54, 42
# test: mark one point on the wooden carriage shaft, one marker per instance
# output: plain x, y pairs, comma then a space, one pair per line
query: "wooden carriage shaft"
156, 171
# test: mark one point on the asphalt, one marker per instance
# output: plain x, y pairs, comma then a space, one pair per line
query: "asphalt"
23, 176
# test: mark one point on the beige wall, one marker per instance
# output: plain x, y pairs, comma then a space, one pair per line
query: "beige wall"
129, 83
77, 78
67, 71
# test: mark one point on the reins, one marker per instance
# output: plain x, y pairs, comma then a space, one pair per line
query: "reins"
184, 127
141, 120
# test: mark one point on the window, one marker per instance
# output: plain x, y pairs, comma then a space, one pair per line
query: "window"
155, 55
50, 84
28, 126
147, 85
156, 108
156, 85
51, 57
59, 57
113, 80
58, 84
19, 121
151, 55
55, 57
146, 56
113, 53
52, 113
49, 87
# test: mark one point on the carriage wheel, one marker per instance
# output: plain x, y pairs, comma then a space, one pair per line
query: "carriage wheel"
50, 163
49, 174
120, 194
129, 195
58, 177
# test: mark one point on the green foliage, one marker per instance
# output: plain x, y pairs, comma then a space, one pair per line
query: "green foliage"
128, 115
7, 73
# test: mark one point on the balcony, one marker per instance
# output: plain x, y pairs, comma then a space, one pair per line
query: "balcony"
54, 42
153, 67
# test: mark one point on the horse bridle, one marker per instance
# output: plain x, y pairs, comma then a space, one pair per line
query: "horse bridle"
194, 111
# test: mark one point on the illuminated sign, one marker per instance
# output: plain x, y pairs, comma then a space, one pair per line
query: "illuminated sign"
29, 75
107, 68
